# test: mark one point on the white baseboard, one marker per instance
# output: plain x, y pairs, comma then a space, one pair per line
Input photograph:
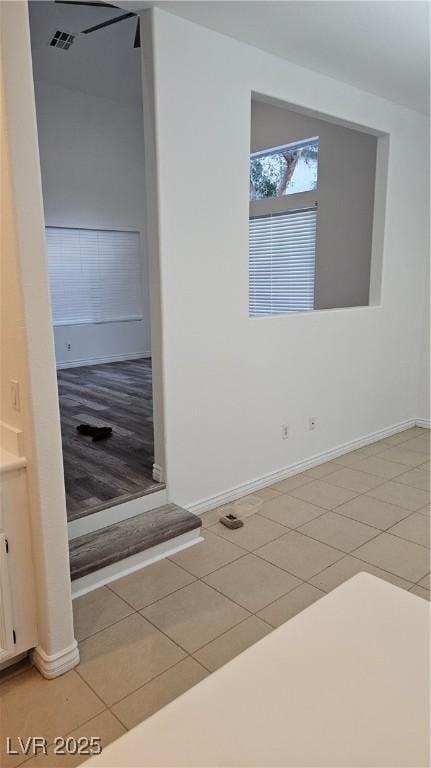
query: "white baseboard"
97, 520
56, 664
158, 473
134, 563
244, 489
425, 423
100, 360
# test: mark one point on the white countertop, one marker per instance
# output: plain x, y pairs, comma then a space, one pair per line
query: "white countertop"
344, 683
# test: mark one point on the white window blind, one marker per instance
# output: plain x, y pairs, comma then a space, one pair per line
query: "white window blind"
95, 276
282, 252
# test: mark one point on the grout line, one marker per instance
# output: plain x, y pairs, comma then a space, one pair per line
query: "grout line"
147, 682
263, 517
269, 501
303, 581
391, 572
225, 633
345, 517
138, 613
289, 528
331, 546
120, 722
252, 613
361, 493
223, 538
337, 511
105, 707
345, 554
256, 493
189, 653
65, 735
322, 571
108, 706
102, 629
243, 553
403, 485
423, 546
184, 650
219, 591
292, 493
198, 661
76, 669
416, 583
280, 567
411, 514
286, 493
410, 485
157, 600
401, 447
424, 589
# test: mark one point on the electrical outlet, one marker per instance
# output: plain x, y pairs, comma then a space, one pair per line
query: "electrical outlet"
312, 423
15, 398
284, 431
68, 347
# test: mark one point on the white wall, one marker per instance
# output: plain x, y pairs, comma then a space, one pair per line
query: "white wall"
100, 342
12, 331
231, 381
40, 417
92, 161
424, 363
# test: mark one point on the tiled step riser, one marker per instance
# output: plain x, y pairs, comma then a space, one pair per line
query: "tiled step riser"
135, 563
103, 548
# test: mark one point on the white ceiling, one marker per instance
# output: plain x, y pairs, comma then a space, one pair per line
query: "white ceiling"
381, 46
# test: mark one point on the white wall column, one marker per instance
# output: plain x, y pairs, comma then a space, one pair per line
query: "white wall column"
57, 649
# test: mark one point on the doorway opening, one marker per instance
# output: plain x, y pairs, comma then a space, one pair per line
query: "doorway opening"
88, 91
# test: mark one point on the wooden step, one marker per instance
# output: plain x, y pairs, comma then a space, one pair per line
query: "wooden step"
102, 548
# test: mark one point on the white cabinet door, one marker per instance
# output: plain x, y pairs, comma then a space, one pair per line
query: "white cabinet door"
6, 624
18, 629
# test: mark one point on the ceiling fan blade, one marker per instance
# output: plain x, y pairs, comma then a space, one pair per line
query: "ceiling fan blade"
83, 2
137, 43
108, 23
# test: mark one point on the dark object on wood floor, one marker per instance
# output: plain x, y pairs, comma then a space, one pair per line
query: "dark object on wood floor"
102, 434
96, 550
97, 433
98, 475
231, 521
84, 429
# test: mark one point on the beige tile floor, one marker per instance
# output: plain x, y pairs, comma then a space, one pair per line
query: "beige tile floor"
150, 636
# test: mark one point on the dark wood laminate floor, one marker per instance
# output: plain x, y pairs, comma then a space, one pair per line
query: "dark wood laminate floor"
118, 395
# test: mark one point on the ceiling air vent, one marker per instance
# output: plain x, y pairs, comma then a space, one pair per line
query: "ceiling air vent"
62, 40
